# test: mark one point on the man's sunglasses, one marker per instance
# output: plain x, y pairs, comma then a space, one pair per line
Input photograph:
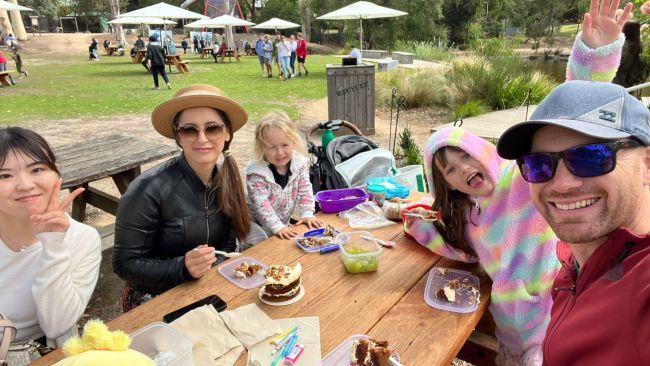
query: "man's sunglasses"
582, 161
191, 132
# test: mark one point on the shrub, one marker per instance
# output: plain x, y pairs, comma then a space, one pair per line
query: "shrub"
469, 109
409, 147
500, 83
421, 88
436, 50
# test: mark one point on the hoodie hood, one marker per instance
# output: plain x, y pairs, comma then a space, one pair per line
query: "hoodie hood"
475, 146
261, 167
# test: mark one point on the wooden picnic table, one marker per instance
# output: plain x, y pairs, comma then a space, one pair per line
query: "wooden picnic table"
139, 56
110, 50
387, 304
205, 51
175, 60
5, 78
116, 156
227, 53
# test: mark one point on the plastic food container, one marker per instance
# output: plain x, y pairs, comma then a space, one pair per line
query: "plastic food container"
359, 251
467, 297
227, 270
340, 356
160, 337
412, 176
337, 200
377, 194
393, 188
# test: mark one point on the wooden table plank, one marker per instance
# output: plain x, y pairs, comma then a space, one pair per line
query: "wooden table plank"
426, 333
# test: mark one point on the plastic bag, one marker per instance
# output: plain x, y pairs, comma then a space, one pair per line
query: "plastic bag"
366, 215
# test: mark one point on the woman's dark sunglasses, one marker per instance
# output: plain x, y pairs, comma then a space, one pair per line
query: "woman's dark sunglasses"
191, 132
582, 161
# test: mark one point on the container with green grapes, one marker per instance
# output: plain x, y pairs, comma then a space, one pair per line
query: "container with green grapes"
359, 251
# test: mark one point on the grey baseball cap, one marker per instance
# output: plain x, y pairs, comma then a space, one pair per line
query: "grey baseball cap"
601, 110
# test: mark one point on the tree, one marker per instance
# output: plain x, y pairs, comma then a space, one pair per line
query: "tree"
43, 7
458, 15
283, 9
306, 17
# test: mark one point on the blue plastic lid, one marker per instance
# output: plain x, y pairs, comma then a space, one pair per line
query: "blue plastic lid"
376, 188
391, 186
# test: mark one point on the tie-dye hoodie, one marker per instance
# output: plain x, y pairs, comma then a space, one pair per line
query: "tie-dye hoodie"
513, 242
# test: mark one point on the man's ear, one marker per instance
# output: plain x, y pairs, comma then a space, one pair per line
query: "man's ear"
646, 165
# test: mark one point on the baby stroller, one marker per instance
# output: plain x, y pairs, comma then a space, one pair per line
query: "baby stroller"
348, 160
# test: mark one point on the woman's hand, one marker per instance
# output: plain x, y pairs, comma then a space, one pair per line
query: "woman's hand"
54, 219
311, 222
286, 233
199, 260
600, 26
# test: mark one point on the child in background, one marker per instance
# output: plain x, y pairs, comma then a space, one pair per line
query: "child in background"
277, 179
19, 62
3, 67
184, 45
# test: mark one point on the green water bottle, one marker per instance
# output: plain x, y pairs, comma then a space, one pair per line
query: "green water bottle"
327, 136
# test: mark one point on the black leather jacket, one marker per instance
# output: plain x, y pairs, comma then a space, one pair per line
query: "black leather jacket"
166, 212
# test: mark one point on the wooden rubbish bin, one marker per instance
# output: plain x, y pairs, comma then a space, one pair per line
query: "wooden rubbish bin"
351, 95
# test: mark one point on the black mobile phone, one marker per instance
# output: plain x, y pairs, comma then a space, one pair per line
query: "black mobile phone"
214, 300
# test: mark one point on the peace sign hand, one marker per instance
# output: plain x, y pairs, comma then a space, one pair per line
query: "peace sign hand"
54, 218
600, 26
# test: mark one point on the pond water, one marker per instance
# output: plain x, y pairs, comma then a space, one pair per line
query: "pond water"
556, 69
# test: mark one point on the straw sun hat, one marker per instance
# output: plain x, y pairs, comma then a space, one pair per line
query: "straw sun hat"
193, 96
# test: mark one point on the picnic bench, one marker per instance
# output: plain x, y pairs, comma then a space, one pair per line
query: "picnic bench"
139, 56
116, 156
5, 78
402, 57
374, 54
110, 50
175, 60
227, 53
206, 51
387, 304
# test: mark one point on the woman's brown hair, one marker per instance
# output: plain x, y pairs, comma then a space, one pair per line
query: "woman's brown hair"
453, 205
228, 182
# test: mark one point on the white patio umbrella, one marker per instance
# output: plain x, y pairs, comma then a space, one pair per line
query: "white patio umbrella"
141, 21
362, 10
223, 21
276, 23
5, 5
164, 11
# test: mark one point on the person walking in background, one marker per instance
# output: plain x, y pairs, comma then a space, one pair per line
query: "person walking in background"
301, 53
268, 55
156, 62
276, 55
184, 45
284, 53
259, 50
18, 60
201, 44
292, 61
196, 44
92, 50
632, 70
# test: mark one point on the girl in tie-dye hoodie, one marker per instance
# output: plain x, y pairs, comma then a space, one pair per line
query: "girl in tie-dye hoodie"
488, 217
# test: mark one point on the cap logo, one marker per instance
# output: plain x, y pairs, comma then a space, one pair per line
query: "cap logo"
607, 115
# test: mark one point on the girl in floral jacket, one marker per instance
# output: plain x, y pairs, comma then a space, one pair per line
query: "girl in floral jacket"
277, 180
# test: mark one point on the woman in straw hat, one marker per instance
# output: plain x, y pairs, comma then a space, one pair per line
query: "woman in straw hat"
173, 217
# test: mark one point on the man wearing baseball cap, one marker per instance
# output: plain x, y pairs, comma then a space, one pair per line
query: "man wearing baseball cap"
586, 153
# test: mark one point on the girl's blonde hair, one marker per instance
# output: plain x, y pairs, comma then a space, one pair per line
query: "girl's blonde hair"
282, 121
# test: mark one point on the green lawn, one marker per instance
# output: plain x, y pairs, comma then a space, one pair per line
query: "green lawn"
567, 30
114, 86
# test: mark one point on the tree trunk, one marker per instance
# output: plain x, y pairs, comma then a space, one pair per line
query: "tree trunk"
17, 23
114, 8
5, 25
306, 15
